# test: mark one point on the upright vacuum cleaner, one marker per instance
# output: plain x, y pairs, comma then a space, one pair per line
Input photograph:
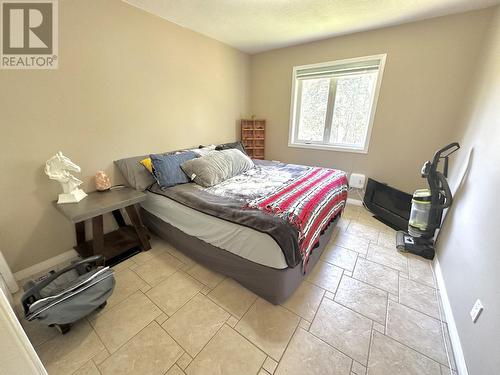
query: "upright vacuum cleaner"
427, 207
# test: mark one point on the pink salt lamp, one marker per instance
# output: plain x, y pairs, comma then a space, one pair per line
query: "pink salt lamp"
102, 182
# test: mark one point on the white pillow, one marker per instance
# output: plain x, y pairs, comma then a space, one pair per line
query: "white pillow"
202, 151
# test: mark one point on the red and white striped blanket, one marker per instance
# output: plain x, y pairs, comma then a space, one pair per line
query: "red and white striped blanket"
309, 203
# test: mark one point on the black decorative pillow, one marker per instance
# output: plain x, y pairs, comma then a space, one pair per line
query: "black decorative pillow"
226, 146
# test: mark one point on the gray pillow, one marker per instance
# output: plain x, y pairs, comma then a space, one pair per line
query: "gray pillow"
167, 168
134, 172
217, 167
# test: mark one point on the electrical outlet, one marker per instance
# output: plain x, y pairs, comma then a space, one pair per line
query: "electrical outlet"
357, 180
476, 311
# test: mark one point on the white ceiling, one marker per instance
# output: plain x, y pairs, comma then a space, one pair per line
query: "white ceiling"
259, 25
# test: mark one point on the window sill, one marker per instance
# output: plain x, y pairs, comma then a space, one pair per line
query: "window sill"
328, 148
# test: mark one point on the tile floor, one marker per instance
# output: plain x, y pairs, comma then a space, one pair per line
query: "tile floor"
365, 309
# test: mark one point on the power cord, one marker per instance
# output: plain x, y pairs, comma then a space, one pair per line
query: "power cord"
116, 187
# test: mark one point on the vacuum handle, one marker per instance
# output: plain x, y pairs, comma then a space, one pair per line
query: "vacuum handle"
452, 147
448, 197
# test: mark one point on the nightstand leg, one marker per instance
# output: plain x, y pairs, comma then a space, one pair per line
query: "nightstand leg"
139, 227
80, 232
98, 235
117, 214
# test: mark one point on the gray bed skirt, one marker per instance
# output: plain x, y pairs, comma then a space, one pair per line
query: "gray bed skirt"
274, 285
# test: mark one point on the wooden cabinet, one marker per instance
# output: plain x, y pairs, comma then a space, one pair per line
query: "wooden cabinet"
253, 135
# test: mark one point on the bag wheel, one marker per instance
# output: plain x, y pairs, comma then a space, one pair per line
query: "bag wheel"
103, 305
63, 328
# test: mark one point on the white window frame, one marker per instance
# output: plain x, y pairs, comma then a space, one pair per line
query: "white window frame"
295, 106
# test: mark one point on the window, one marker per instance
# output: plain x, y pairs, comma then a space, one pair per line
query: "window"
333, 104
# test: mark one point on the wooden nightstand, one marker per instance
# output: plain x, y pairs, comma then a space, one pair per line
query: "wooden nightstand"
116, 245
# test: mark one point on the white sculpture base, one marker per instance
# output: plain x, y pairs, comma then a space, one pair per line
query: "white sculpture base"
75, 196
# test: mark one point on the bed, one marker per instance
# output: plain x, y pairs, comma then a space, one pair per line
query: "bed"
237, 227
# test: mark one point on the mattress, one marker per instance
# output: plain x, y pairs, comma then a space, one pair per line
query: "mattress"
240, 240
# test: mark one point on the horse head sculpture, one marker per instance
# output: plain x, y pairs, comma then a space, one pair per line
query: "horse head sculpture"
58, 168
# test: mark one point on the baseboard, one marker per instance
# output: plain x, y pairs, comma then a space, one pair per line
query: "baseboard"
354, 202
452, 327
45, 265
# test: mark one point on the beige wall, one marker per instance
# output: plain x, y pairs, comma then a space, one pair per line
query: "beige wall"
425, 77
128, 83
468, 245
